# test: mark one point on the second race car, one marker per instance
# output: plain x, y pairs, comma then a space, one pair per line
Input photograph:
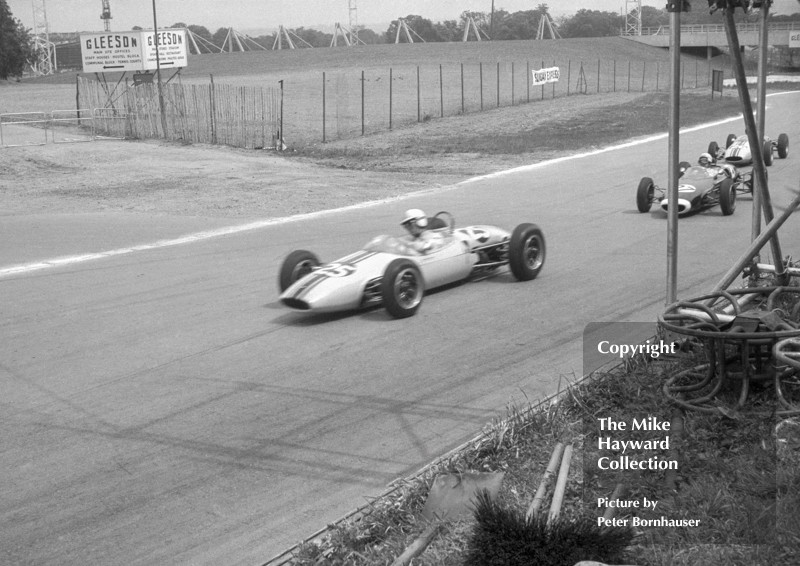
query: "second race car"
389, 270
700, 187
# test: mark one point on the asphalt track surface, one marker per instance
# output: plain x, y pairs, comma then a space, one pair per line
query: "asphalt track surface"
160, 407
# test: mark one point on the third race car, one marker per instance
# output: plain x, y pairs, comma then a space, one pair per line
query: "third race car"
737, 149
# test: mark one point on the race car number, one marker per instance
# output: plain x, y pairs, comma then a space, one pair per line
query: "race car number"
686, 188
336, 270
479, 234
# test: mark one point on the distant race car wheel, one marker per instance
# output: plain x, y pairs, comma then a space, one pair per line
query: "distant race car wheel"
645, 194
682, 167
767, 153
297, 265
526, 252
713, 148
729, 141
783, 146
727, 197
402, 288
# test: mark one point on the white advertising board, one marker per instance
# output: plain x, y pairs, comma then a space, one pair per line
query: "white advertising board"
543, 76
794, 39
133, 50
171, 49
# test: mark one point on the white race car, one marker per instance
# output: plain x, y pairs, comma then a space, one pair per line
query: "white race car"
737, 150
388, 270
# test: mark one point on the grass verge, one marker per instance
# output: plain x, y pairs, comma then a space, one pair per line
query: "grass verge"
739, 475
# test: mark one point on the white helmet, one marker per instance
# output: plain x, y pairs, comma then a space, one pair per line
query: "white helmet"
706, 159
416, 216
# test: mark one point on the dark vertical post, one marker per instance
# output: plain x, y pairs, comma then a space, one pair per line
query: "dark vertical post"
480, 66
512, 83
598, 75
658, 73
674, 8
752, 134
78, 96
644, 73
158, 73
569, 73
498, 84
323, 106
363, 121
542, 67
213, 94
528, 79
419, 102
281, 128
615, 75
462, 88
441, 92
554, 84
629, 75
391, 85
761, 102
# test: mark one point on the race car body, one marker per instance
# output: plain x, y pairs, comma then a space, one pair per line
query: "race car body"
699, 188
389, 270
737, 150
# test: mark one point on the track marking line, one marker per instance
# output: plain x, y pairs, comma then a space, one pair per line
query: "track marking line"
257, 225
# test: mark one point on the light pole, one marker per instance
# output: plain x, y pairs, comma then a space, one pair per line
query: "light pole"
158, 73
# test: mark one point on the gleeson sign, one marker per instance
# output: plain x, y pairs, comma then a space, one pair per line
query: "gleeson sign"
542, 76
133, 50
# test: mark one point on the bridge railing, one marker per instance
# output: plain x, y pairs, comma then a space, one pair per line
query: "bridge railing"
714, 28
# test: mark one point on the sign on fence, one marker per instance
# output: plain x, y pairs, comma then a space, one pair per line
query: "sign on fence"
133, 50
794, 40
716, 82
542, 76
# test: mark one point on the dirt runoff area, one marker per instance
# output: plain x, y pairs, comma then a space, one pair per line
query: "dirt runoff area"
166, 178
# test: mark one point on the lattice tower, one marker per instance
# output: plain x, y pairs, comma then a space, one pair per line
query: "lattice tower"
45, 49
353, 10
106, 15
633, 17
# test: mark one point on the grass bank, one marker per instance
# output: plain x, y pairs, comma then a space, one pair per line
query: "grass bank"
739, 476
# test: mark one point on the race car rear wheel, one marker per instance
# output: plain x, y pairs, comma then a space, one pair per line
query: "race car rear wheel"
402, 288
729, 141
727, 197
645, 194
297, 265
526, 252
783, 146
713, 148
767, 153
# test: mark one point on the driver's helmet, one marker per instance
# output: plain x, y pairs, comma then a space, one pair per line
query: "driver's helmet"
415, 220
706, 160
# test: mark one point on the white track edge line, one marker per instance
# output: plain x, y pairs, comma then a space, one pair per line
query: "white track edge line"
205, 235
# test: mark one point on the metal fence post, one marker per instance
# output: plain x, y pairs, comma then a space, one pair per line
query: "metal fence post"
498, 84
391, 85
480, 65
441, 92
419, 102
363, 125
323, 106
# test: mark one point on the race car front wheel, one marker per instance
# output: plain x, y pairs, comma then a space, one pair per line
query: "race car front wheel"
767, 152
727, 197
645, 194
297, 265
402, 288
526, 252
783, 146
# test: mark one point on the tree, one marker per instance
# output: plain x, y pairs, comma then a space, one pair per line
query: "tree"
200, 31
592, 23
16, 45
369, 37
420, 26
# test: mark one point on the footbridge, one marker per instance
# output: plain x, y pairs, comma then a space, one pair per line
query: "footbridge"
713, 36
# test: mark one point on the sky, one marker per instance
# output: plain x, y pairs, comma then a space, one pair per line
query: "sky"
242, 15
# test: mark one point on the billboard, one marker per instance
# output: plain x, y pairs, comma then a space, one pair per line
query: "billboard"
133, 50
542, 76
794, 39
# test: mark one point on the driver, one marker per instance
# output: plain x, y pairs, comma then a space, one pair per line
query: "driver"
706, 160
422, 240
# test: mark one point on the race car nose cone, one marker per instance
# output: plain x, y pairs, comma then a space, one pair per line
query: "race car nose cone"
683, 205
